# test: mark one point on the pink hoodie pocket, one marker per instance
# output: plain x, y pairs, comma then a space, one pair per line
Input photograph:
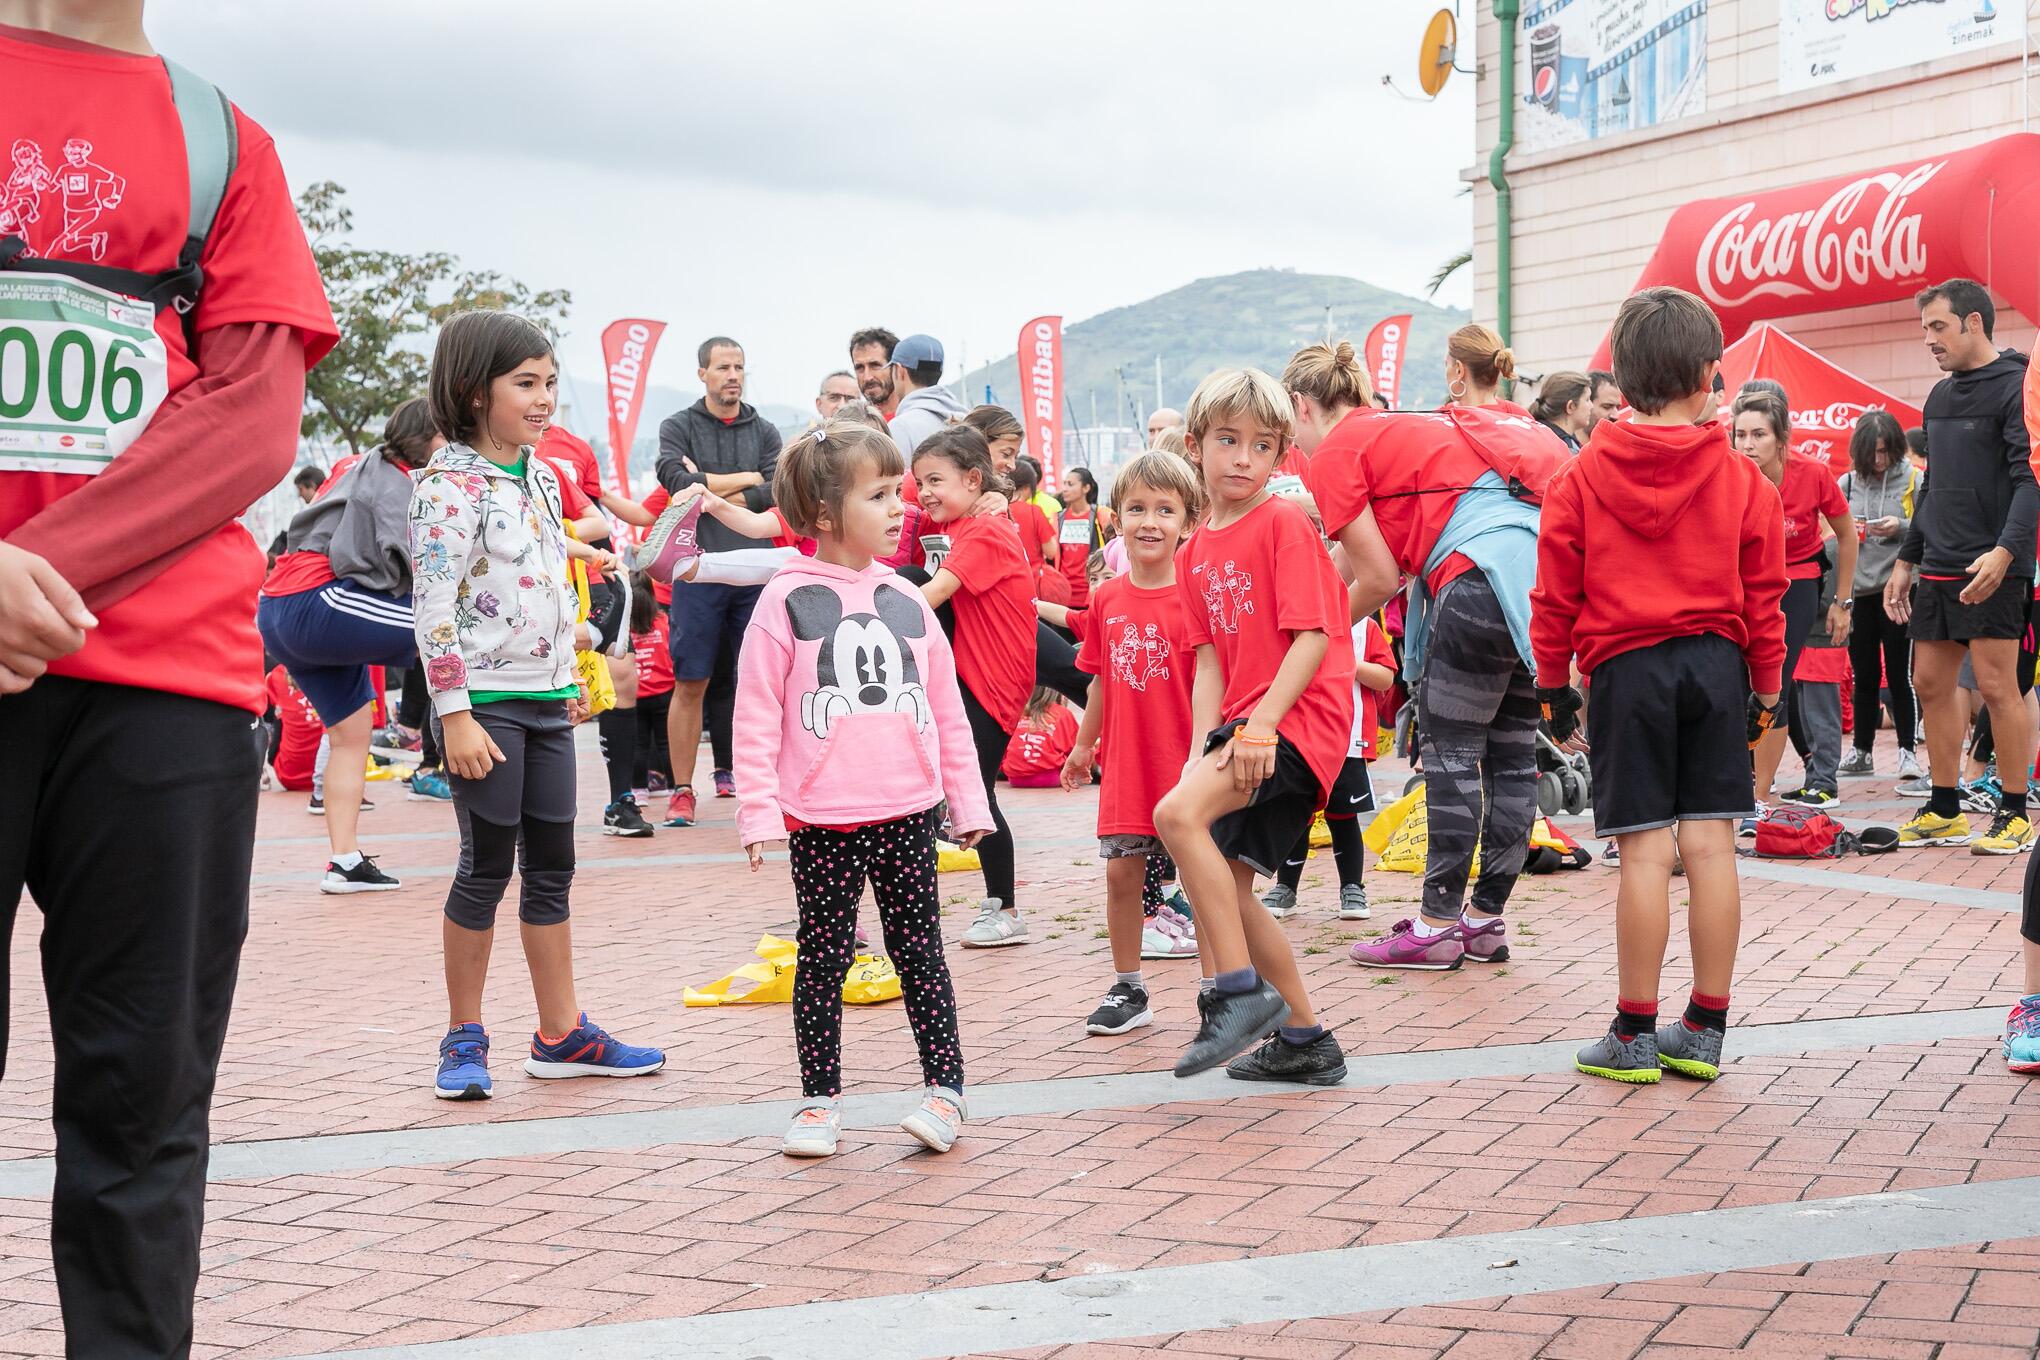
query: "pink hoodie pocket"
872, 767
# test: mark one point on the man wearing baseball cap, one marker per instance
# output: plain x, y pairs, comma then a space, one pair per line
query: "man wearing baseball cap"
915, 368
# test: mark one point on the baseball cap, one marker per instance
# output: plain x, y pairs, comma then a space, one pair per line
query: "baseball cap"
917, 351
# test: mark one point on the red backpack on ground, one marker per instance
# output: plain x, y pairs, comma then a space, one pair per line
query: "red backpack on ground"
1803, 833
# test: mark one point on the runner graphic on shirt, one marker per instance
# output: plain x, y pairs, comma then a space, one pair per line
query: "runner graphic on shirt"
29, 177
1137, 660
1227, 595
89, 190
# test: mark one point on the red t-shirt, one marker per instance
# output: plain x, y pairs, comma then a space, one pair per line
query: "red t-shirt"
1039, 747
298, 571
1035, 530
1073, 558
1809, 494
573, 459
98, 175
341, 467
1370, 644
1137, 642
994, 613
297, 749
1351, 472
654, 651
1247, 590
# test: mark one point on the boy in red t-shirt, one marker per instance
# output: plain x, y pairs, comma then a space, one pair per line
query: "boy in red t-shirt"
1273, 696
1135, 643
1658, 498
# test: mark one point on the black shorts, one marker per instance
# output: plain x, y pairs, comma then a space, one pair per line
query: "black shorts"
1938, 614
1277, 815
1352, 792
1668, 730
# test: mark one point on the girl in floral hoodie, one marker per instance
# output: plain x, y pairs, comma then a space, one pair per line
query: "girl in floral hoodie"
495, 609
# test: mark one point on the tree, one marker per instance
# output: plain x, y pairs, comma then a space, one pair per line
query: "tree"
386, 303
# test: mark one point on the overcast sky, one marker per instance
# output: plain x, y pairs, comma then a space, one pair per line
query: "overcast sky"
788, 172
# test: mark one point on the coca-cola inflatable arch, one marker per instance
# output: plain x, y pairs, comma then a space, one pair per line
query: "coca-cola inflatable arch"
1860, 239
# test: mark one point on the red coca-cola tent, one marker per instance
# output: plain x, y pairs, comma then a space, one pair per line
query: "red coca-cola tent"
1826, 399
1879, 236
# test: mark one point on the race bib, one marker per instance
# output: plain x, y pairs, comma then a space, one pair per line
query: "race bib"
82, 372
1076, 531
934, 548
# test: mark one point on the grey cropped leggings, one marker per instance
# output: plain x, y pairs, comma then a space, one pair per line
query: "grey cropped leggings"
528, 797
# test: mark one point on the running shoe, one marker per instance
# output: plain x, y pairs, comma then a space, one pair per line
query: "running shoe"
317, 806
588, 1050
680, 807
1166, 935
1810, 798
1317, 1063
814, 1130
995, 926
2009, 834
1233, 1022
1931, 829
1909, 764
463, 1064
1612, 855
725, 784
670, 544
363, 877
2022, 1036
1918, 786
1178, 901
1982, 794
1487, 942
622, 818
1618, 1059
429, 786
1857, 764
1694, 1053
1747, 830
1125, 1007
1353, 902
938, 1120
655, 782
1401, 948
1280, 900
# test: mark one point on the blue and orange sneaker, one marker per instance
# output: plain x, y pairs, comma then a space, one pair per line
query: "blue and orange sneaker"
591, 1051
463, 1064
2022, 1036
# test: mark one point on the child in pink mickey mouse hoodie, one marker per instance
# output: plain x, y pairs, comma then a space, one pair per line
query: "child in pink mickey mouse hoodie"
850, 736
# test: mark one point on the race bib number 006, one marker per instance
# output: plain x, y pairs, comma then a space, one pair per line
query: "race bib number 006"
82, 371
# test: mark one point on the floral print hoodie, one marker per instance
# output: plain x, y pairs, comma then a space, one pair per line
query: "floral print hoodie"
491, 592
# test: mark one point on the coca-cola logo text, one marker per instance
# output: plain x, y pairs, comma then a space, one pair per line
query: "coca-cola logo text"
1842, 241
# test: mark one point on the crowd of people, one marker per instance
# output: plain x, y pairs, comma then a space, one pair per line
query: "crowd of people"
874, 622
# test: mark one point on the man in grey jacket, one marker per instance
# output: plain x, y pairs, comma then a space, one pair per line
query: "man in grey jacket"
916, 367
725, 446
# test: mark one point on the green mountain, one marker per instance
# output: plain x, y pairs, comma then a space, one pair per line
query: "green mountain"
1257, 318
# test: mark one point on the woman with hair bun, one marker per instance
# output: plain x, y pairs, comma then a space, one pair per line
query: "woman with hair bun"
1477, 363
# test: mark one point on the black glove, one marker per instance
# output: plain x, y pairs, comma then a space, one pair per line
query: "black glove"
1561, 711
1761, 716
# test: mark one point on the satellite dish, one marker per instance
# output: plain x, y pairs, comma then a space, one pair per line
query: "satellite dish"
1441, 47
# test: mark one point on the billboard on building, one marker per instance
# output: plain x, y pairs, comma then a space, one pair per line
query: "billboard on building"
1821, 42
1595, 68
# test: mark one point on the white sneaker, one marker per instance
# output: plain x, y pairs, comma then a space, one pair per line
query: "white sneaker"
1909, 765
995, 926
814, 1129
1168, 936
938, 1120
1353, 902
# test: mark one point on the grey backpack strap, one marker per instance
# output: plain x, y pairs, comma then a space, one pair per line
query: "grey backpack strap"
210, 149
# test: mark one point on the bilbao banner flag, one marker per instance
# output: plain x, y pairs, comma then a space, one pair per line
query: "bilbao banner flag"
1387, 343
627, 358
1041, 384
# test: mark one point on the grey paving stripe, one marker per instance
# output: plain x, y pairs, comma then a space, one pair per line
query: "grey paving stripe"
30, 1177
1948, 894
1250, 1291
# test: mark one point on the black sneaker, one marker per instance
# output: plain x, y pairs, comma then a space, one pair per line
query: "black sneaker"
1317, 1063
1810, 798
622, 818
1231, 1023
363, 877
1125, 1007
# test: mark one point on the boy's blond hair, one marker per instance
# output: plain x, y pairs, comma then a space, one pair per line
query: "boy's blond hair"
1241, 391
1159, 471
1171, 441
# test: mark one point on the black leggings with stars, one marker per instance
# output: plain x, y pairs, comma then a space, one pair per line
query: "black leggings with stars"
830, 869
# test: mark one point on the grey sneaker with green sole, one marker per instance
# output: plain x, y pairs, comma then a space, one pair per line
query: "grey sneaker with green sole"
1690, 1053
1618, 1059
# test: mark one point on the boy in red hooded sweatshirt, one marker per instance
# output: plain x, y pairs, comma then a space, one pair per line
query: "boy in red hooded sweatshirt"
1685, 675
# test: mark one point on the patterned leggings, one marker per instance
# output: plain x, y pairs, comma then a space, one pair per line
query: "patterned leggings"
1160, 869
829, 872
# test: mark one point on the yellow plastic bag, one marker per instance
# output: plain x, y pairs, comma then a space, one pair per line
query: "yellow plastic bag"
1320, 834
1400, 835
591, 668
951, 858
872, 979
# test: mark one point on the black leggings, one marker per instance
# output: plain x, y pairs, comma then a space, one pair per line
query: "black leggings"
1874, 641
652, 751
1802, 602
1345, 853
1055, 666
995, 852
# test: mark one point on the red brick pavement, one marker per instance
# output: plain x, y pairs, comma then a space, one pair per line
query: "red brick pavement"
339, 1012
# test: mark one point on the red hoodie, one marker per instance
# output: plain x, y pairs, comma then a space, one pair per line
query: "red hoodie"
1679, 536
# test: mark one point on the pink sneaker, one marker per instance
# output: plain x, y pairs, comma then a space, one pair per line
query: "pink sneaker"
1484, 943
670, 545
1400, 948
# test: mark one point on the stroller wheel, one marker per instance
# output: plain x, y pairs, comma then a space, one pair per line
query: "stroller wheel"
1576, 793
1550, 794
1416, 781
